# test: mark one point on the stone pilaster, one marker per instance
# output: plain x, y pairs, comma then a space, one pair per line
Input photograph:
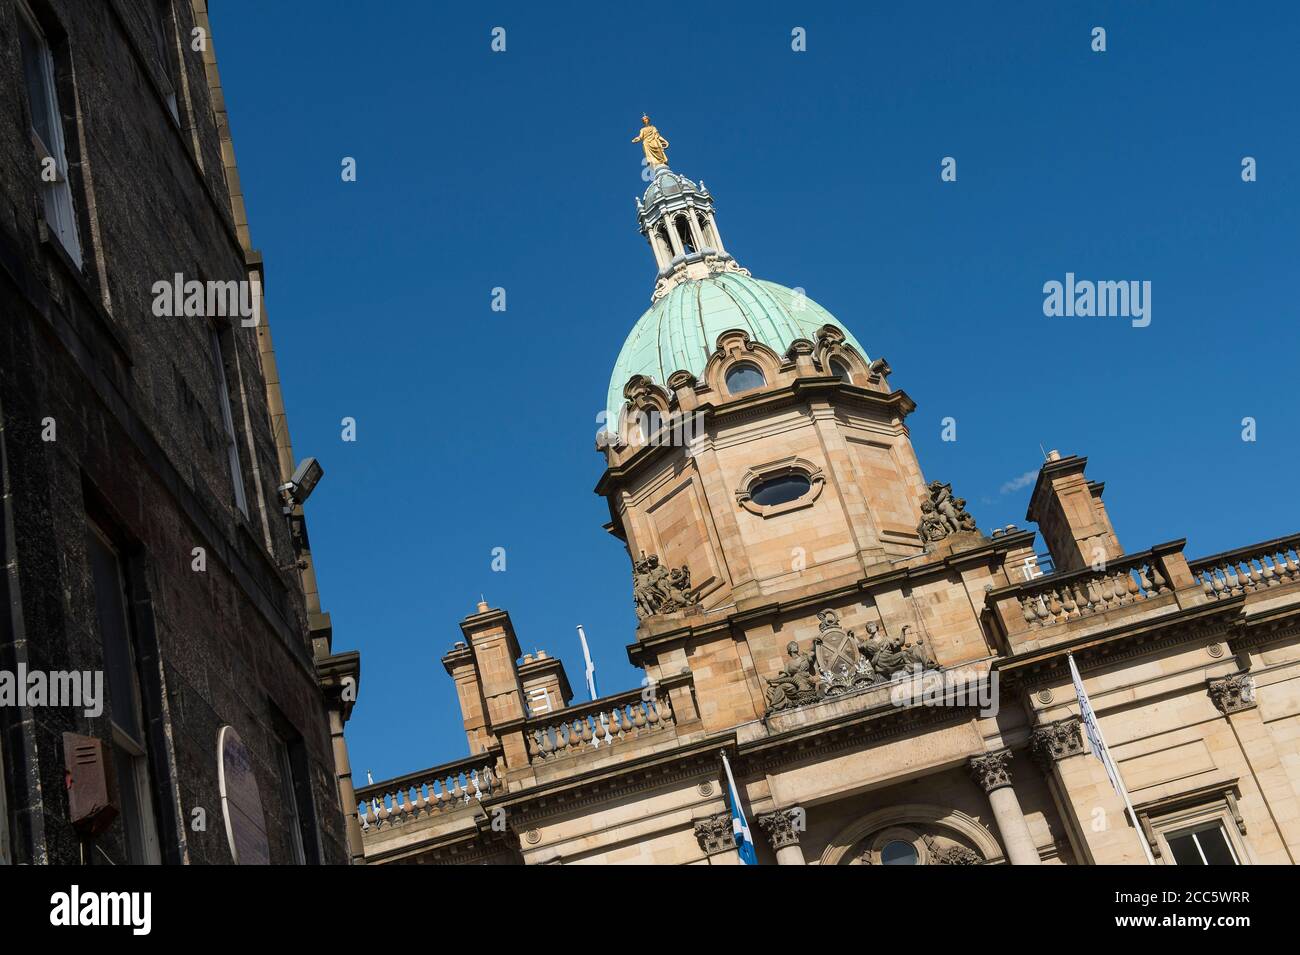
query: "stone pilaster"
783, 827
992, 772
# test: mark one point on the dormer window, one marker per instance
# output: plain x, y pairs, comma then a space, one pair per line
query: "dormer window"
744, 377
841, 371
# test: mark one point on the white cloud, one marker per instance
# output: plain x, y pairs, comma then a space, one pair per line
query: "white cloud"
1015, 484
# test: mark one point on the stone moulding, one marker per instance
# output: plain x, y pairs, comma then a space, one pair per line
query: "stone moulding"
786, 466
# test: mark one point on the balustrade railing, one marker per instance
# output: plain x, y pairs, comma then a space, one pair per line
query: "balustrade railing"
1248, 569
597, 724
1053, 600
441, 789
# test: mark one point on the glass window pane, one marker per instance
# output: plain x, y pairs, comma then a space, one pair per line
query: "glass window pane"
840, 370
898, 852
1214, 846
780, 490
128, 789
744, 378
1184, 850
119, 662
39, 95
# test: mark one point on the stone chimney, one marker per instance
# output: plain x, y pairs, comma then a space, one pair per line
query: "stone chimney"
486, 675
1071, 516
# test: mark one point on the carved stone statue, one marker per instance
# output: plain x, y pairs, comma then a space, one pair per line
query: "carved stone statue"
943, 514
657, 589
655, 146
793, 686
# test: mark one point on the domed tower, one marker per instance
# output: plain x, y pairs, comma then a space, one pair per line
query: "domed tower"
758, 465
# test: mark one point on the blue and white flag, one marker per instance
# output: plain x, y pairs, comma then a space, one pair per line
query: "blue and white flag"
1090, 727
591, 667
739, 824
1098, 743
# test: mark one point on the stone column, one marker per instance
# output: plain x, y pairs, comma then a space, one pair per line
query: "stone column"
783, 828
990, 771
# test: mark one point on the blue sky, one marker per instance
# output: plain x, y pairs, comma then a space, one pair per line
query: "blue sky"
475, 428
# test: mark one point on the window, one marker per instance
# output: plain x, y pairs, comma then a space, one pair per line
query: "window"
164, 46
899, 852
841, 371
780, 490
744, 377
296, 797
47, 133
1204, 845
684, 234
228, 422
126, 716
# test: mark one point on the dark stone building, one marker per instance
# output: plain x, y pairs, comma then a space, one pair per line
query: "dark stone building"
147, 534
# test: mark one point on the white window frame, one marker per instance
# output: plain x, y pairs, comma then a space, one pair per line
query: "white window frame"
60, 210
1214, 825
228, 421
123, 741
1196, 811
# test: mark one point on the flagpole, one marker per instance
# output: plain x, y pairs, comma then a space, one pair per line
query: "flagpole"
1093, 724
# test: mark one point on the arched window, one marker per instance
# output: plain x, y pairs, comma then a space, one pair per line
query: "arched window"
841, 371
744, 377
684, 234
663, 237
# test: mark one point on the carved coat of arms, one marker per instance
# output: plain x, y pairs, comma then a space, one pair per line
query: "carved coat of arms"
840, 664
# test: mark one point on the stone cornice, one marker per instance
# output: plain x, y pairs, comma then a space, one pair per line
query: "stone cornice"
1132, 639
693, 628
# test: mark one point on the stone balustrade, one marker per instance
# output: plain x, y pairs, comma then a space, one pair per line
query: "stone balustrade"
1056, 599
442, 789
1248, 569
602, 722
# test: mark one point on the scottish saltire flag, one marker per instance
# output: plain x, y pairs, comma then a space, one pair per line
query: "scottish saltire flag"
591, 667
1089, 720
739, 824
1098, 744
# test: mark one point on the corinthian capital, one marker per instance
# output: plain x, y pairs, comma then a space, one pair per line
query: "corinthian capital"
783, 826
1056, 741
1233, 693
990, 770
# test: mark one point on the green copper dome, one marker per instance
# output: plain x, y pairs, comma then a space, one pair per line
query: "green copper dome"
680, 331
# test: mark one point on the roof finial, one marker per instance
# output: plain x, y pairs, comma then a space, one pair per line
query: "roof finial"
655, 146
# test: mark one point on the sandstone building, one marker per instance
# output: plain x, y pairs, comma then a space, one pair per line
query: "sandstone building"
147, 536
888, 681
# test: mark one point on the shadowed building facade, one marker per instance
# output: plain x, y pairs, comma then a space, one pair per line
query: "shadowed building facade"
888, 680
146, 537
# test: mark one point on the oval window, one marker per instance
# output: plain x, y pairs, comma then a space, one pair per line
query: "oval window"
744, 377
841, 371
780, 490
899, 852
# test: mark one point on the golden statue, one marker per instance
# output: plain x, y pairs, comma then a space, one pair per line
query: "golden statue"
655, 145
